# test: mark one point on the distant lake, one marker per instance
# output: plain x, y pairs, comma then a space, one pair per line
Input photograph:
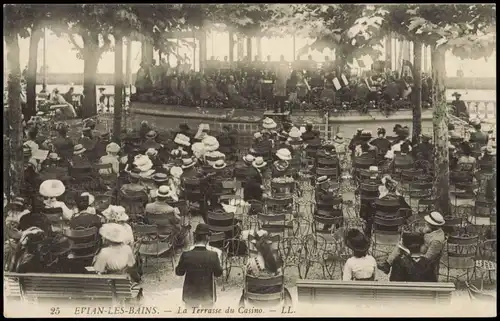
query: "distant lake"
473, 94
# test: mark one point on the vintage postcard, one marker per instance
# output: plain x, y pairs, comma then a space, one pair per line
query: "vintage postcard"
249, 160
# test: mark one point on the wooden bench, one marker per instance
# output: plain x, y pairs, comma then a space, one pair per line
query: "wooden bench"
39, 286
333, 292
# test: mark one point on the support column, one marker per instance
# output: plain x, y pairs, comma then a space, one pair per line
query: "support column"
128, 63
388, 52
249, 48
240, 47
231, 47
203, 49
259, 47
294, 48
146, 51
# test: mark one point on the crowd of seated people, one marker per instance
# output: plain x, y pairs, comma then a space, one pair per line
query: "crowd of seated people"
254, 84
94, 183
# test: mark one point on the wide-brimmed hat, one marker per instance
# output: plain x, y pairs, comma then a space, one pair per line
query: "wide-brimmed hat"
294, 133
18, 201
159, 177
78, 149
211, 143
198, 149
475, 121
52, 188
151, 152
269, 123
435, 219
115, 213
151, 134
113, 232
491, 151
322, 179
219, 164
249, 158
356, 240
284, 154
187, 163
89, 196
163, 191
112, 148
281, 165
373, 169
339, 138
456, 94
413, 241
182, 139
176, 171
259, 162
202, 229
53, 156
426, 137
143, 163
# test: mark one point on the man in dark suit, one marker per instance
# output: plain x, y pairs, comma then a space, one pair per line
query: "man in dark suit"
199, 265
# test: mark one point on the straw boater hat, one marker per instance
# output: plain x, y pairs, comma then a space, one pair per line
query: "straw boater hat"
284, 154
151, 134
115, 213
143, 163
159, 177
249, 158
90, 196
53, 156
294, 133
52, 188
187, 163
112, 148
269, 123
182, 139
322, 179
339, 138
491, 151
164, 191
219, 164
18, 201
113, 232
151, 152
373, 169
211, 143
259, 162
475, 121
78, 149
435, 219
357, 241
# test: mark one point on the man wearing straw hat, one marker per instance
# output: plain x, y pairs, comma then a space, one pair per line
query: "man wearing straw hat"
199, 266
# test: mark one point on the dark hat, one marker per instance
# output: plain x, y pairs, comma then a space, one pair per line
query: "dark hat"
202, 229
381, 131
315, 142
105, 135
159, 177
456, 94
412, 241
356, 240
184, 126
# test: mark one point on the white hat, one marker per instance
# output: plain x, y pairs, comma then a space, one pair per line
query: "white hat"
259, 162
294, 133
249, 158
182, 139
490, 150
475, 121
113, 232
339, 137
198, 149
219, 164
90, 196
112, 148
435, 219
176, 171
115, 213
211, 143
257, 135
366, 132
284, 154
187, 163
78, 149
151, 152
143, 163
373, 169
269, 123
163, 191
52, 188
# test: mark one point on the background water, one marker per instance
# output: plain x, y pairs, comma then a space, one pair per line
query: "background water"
472, 94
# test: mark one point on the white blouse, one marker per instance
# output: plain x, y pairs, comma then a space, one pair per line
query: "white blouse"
359, 268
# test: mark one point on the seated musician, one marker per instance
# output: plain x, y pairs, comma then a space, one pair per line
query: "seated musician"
310, 133
361, 266
383, 144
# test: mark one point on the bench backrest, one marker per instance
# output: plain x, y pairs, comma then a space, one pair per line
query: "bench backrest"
69, 286
328, 291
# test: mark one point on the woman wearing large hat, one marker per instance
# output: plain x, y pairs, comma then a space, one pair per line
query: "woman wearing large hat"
115, 257
284, 154
361, 266
117, 214
212, 157
211, 143
144, 164
52, 189
252, 187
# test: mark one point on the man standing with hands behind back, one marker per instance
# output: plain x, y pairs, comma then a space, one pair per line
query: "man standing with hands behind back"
199, 266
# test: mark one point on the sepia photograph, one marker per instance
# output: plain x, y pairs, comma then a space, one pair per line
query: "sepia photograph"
249, 160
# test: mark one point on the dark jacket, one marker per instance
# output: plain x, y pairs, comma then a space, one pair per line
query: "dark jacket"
63, 147
199, 267
309, 135
479, 137
85, 220
383, 145
408, 269
460, 109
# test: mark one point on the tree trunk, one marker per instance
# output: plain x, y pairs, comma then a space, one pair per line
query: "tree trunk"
117, 124
128, 64
15, 133
203, 50
440, 128
90, 61
388, 51
249, 48
36, 35
231, 47
417, 94
259, 47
